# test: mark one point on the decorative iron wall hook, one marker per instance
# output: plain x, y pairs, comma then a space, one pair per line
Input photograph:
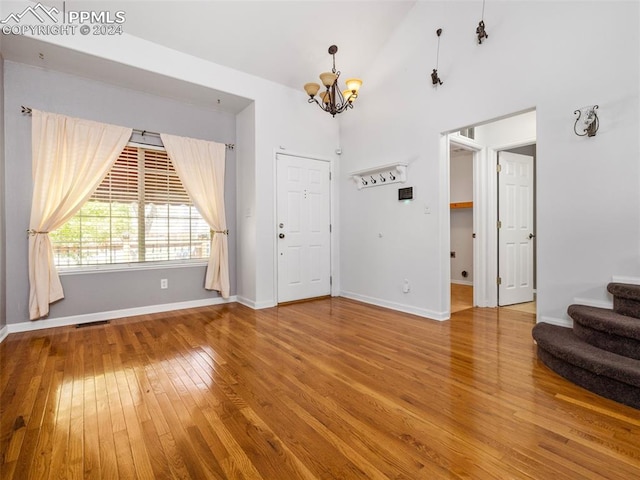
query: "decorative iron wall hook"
481, 32
373, 180
435, 79
392, 176
587, 120
382, 179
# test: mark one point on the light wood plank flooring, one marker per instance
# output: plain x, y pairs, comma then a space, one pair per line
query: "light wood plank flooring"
462, 299
329, 389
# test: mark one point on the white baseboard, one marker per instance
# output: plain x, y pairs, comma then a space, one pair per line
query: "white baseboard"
589, 302
462, 282
561, 322
421, 312
255, 305
621, 279
113, 314
3, 333
246, 302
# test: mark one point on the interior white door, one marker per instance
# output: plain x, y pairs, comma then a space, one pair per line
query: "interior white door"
515, 232
303, 228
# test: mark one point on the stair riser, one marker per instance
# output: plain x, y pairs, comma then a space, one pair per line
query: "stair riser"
626, 306
625, 346
599, 384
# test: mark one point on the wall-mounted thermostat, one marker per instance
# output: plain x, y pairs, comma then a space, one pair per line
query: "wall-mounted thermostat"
405, 193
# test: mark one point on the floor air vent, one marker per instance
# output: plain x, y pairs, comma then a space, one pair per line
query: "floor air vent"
92, 324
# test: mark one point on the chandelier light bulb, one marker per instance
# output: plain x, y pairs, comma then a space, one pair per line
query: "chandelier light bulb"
328, 78
311, 89
353, 84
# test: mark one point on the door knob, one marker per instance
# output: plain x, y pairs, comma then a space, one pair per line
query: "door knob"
281, 235
531, 235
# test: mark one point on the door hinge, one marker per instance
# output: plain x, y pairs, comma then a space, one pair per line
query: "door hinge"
330, 280
329, 175
498, 281
330, 228
498, 168
499, 224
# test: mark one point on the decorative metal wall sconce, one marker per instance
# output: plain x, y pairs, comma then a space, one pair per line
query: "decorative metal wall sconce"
435, 79
481, 32
587, 122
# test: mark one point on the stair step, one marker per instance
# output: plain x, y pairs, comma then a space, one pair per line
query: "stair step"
624, 346
602, 372
626, 298
624, 290
606, 320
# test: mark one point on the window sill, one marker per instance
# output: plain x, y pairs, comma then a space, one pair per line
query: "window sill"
128, 267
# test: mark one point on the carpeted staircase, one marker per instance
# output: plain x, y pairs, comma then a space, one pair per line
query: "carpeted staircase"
602, 351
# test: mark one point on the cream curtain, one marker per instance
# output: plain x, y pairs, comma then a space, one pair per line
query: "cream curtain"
200, 166
71, 157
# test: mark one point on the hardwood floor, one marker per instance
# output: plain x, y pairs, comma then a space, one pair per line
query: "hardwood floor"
330, 389
461, 297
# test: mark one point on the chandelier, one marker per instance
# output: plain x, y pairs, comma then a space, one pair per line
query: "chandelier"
332, 100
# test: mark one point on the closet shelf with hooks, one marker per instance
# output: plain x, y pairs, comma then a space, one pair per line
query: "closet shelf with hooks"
382, 175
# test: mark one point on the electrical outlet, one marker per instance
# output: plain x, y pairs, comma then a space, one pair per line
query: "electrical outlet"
164, 283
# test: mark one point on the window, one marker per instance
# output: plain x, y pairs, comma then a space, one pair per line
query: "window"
139, 213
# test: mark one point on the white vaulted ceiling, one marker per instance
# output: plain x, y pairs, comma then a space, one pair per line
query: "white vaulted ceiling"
282, 41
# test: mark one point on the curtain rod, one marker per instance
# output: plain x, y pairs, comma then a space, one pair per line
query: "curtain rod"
27, 111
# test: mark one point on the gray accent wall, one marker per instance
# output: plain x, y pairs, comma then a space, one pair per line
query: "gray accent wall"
3, 243
57, 92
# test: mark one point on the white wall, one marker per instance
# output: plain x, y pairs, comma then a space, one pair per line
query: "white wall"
282, 118
506, 132
461, 177
538, 55
245, 201
3, 240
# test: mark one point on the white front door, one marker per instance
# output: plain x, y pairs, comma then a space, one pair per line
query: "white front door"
303, 228
515, 228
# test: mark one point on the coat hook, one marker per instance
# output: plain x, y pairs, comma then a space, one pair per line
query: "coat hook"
373, 180
382, 179
392, 176
364, 182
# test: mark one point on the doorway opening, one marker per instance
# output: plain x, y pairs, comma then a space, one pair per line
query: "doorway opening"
516, 234
514, 134
462, 153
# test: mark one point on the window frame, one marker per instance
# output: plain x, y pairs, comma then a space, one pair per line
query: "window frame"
134, 266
